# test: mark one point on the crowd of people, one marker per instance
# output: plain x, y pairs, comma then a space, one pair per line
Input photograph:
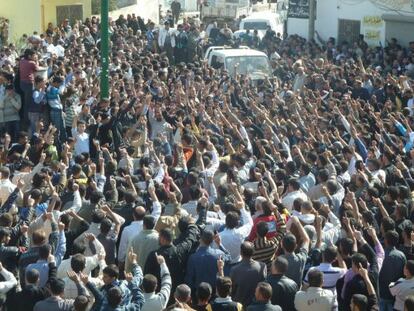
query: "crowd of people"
190, 189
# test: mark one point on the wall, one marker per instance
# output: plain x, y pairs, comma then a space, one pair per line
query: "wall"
24, 16
329, 11
399, 30
298, 26
189, 5
124, 3
326, 23
147, 9
49, 7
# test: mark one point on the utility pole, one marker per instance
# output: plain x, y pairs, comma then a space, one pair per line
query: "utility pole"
104, 48
312, 18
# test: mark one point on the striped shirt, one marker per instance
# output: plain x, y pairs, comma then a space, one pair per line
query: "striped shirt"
401, 290
265, 249
71, 110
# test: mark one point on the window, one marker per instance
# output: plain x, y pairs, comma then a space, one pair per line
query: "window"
216, 62
248, 65
348, 30
71, 12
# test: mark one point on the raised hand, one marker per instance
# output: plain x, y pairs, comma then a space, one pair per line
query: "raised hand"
376, 201
20, 184
47, 216
217, 239
51, 258
362, 204
371, 232
132, 256
325, 191
129, 277
363, 272
62, 166
220, 264
84, 278
90, 237
30, 202
358, 235
160, 259
24, 229
61, 226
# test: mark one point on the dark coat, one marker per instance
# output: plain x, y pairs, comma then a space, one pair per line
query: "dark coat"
283, 291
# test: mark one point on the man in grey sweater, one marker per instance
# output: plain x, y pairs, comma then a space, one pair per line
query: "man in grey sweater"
246, 275
144, 243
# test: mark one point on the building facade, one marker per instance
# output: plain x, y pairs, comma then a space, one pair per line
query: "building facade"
26, 16
377, 20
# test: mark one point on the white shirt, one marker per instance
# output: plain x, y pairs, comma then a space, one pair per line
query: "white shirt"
215, 220
299, 82
233, 238
95, 229
331, 232
336, 198
91, 263
211, 170
128, 234
8, 283
208, 29
81, 142
191, 208
2, 93
26, 176
71, 290
314, 299
60, 50
379, 175
330, 276
245, 136
6, 188
288, 200
133, 230
410, 105
401, 290
351, 167
307, 182
163, 35
158, 301
127, 162
243, 173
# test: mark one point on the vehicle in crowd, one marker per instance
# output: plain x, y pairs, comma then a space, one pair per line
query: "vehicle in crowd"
262, 20
225, 11
241, 32
243, 60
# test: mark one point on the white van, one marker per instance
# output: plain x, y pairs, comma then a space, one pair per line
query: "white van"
261, 20
245, 61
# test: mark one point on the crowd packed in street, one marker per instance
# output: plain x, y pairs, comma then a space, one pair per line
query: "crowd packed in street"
190, 188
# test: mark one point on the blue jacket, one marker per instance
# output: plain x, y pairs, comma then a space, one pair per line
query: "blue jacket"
53, 98
133, 298
38, 102
202, 266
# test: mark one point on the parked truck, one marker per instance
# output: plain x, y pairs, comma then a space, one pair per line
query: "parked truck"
224, 11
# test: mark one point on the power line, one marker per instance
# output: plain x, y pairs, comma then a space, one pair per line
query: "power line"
383, 6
